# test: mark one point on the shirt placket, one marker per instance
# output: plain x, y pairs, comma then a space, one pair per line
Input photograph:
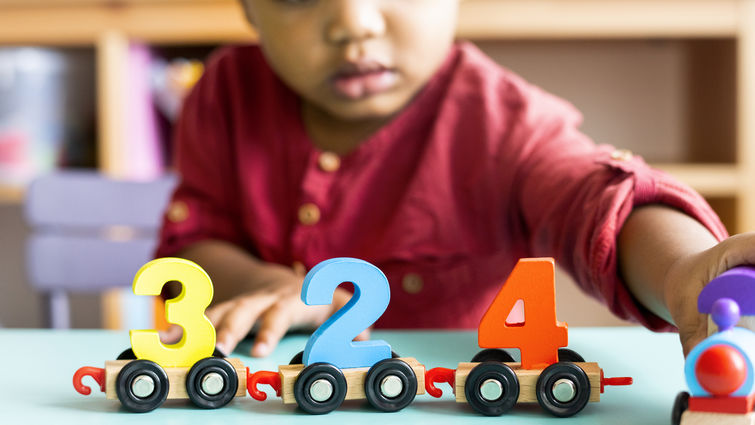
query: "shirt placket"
314, 206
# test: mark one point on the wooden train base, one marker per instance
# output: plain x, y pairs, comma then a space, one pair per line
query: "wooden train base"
143, 385
355, 380
708, 418
389, 385
528, 381
176, 376
493, 387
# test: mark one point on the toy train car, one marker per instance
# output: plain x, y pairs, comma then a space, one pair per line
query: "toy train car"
557, 378
389, 385
143, 385
494, 387
719, 371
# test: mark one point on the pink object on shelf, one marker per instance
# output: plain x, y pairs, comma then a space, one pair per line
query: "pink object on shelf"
12, 148
16, 166
143, 150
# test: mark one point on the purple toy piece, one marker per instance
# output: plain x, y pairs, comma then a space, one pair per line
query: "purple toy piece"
725, 313
737, 284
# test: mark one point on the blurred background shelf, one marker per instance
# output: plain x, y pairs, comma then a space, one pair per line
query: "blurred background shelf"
671, 80
187, 21
548, 19
711, 180
11, 195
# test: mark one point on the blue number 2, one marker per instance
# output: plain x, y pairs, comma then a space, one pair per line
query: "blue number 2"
333, 341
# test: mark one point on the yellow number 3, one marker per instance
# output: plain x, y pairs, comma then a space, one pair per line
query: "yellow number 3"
187, 310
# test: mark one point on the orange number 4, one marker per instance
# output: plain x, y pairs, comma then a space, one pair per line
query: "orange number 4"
539, 336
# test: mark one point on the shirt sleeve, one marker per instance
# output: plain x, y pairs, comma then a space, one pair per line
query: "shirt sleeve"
202, 205
576, 196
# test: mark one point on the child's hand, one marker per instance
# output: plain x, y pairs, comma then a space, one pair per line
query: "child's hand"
254, 292
276, 308
689, 274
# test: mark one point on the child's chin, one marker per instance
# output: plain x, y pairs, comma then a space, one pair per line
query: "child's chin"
370, 107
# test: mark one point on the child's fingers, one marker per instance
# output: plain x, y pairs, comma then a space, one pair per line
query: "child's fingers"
218, 311
340, 298
171, 335
273, 325
689, 341
239, 319
216, 314
737, 250
364, 335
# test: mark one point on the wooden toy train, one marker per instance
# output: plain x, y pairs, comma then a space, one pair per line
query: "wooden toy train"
719, 370
332, 368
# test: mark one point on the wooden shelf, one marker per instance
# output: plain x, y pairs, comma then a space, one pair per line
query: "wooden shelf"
11, 195
75, 22
549, 19
711, 180
85, 22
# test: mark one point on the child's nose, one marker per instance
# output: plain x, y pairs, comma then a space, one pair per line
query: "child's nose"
355, 20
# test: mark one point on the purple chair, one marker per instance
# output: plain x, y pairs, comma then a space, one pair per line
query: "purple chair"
89, 233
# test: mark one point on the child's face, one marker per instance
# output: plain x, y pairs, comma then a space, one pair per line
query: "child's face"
355, 59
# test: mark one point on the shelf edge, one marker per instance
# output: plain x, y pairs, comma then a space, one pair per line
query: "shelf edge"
223, 21
711, 180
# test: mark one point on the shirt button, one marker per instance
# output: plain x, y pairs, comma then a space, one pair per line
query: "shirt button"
309, 214
329, 162
412, 283
621, 155
178, 211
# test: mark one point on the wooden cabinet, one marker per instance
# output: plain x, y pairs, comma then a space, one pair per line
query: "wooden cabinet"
727, 179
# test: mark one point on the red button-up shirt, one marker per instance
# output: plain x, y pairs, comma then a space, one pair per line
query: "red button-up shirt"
479, 170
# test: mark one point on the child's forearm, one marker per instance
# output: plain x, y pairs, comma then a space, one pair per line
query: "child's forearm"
233, 270
653, 238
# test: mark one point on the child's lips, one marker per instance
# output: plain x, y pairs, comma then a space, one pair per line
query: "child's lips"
357, 81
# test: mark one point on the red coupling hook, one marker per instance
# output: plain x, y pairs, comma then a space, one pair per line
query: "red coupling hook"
95, 372
262, 378
438, 375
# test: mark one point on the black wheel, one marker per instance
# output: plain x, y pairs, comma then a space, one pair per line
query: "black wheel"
563, 389
567, 355
492, 388
681, 404
127, 354
320, 388
142, 386
493, 355
298, 358
390, 385
211, 383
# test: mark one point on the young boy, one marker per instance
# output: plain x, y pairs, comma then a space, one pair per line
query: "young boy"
360, 129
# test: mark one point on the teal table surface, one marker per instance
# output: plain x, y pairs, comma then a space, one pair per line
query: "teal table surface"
38, 366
